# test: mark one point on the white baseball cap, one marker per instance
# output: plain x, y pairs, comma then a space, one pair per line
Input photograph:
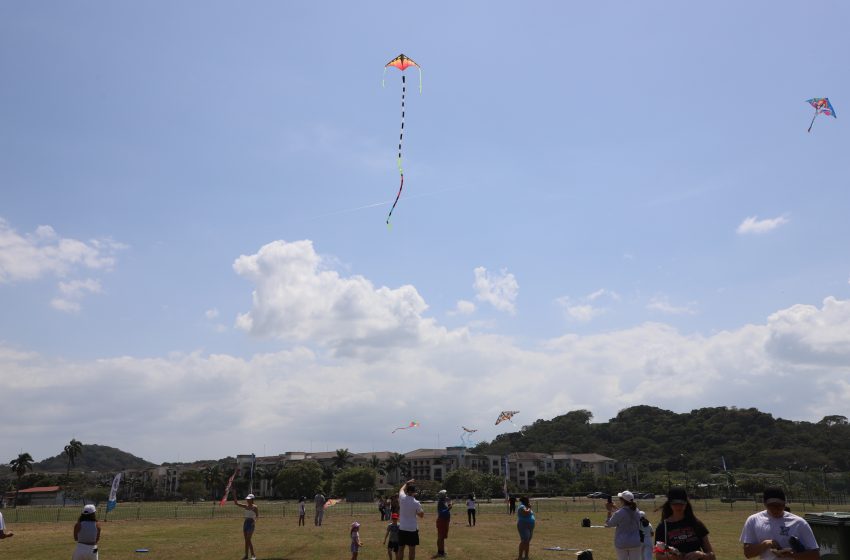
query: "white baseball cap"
626, 495
249, 497
90, 509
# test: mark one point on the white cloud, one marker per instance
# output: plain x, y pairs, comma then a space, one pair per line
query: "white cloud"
297, 298
211, 313
585, 309
463, 307
753, 225
499, 290
662, 304
794, 365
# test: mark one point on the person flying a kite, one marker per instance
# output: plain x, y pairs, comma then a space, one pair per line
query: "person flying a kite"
401, 62
822, 106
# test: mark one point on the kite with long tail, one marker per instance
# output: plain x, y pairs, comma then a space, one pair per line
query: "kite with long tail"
401, 62
466, 436
822, 106
413, 424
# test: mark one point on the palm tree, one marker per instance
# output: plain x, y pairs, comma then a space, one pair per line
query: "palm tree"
73, 450
342, 459
20, 466
395, 463
377, 464
212, 479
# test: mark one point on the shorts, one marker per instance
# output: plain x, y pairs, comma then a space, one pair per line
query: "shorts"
526, 531
442, 527
408, 538
85, 552
392, 546
354, 547
248, 525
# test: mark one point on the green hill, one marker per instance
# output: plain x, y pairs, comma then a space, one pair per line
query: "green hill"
100, 458
661, 439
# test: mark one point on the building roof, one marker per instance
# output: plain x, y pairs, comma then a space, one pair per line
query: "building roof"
591, 457
40, 489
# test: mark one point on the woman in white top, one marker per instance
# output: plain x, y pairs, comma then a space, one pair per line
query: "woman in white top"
86, 534
470, 510
252, 513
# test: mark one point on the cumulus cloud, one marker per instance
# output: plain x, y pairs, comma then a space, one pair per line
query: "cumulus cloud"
752, 225
662, 304
463, 307
298, 298
44, 253
499, 290
795, 365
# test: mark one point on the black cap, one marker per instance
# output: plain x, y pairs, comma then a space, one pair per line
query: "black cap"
677, 494
774, 495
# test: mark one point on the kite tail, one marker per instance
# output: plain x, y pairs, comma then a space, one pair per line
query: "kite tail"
813, 122
383, 77
420, 79
400, 139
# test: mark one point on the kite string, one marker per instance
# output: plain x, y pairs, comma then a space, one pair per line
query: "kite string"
813, 121
400, 140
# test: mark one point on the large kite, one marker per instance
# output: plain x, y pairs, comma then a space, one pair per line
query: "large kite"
413, 424
822, 107
506, 415
401, 62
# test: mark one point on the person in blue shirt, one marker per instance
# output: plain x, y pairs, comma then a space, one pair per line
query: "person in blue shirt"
444, 516
525, 526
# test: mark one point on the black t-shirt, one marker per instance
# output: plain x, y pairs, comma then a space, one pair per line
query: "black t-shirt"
685, 535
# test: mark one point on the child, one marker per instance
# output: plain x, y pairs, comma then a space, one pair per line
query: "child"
355, 540
392, 533
302, 510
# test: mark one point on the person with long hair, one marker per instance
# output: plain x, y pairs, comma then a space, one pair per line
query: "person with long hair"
525, 526
680, 535
86, 534
470, 510
627, 528
252, 513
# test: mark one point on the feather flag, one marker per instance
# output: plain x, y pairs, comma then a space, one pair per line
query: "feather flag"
113, 493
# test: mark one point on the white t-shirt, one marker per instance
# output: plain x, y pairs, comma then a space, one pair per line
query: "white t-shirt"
408, 507
762, 526
470, 504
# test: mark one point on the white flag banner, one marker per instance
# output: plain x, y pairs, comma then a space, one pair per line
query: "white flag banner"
113, 493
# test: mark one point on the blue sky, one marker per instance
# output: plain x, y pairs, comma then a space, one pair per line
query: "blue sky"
605, 204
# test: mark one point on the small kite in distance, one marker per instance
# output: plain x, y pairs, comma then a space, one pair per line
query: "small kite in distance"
822, 106
413, 424
506, 415
466, 436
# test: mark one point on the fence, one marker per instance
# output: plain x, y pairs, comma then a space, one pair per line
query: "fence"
278, 509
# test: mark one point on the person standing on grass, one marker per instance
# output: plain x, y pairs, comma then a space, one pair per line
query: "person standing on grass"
408, 524
319, 500
525, 526
776, 533
512, 505
302, 510
392, 535
4, 534
444, 518
627, 528
86, 534
252, 513
355, 540
681, 530
471, 506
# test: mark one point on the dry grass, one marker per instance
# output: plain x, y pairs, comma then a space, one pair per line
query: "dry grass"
278, 538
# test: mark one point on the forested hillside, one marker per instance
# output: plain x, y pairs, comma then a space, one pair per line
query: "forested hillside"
661, 439
94, 458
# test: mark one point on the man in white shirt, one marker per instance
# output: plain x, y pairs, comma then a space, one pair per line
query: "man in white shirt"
776, 533
409, 509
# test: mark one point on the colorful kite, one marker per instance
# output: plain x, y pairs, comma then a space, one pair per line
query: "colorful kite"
413, 424
401, 62
466, 437
822, 106
506, 415
331, 502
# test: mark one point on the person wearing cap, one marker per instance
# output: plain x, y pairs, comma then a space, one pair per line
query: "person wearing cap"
392, 535
680, 533
777, 533
252, 513
408, 524
444, 517
646, 537
627, 528
86, 534
355, 540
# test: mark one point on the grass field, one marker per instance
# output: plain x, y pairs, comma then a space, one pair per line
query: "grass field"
279, 538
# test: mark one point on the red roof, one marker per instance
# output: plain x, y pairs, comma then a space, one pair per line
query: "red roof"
37, 489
